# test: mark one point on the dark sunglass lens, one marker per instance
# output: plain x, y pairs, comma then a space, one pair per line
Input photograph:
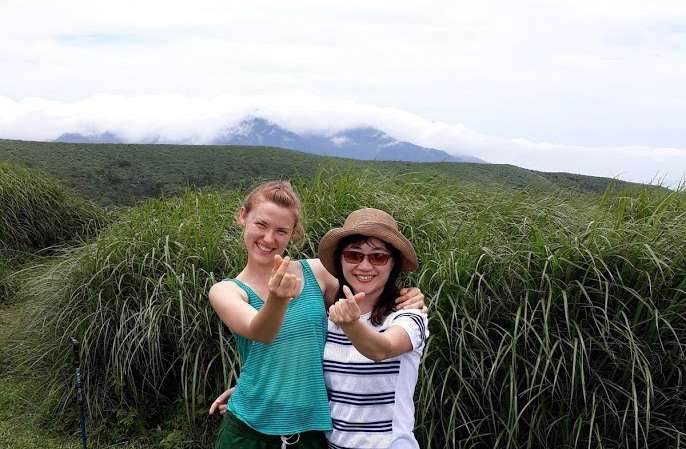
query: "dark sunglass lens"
358, 257
353, 256
379, 258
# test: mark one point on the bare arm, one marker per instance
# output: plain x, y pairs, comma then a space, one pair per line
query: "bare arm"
370, 343
264, 325
327, 283
375, 345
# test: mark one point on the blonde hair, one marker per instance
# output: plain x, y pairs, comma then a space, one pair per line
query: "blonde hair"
280, 193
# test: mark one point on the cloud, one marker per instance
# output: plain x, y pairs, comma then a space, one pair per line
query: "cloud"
577, 71
178, 118
570, 85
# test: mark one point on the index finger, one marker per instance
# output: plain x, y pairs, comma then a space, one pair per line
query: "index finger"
284, 266
347, 292
277, 263
215, 405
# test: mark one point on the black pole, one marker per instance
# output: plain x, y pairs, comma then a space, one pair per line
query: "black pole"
79, 395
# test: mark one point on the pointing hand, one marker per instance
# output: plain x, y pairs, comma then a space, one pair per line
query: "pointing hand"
283, 286
346, 310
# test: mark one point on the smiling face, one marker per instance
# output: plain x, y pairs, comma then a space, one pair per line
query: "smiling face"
364, 276
267, 229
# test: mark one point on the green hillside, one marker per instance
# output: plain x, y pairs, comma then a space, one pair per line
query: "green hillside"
558, 317
119, 174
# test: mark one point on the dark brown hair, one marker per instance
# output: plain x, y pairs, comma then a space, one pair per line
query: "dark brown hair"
386, 302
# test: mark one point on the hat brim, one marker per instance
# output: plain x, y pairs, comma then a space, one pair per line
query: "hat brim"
328, 243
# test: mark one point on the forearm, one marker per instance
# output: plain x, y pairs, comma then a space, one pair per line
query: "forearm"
370, 343
266, 324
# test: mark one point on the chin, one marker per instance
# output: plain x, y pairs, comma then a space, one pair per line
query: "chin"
368, 290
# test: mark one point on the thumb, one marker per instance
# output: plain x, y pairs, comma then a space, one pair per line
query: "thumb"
359, 297
403, 291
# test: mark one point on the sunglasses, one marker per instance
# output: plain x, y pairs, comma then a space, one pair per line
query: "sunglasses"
374, 258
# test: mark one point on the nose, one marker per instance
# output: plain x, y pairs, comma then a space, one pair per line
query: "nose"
365, 264
269, 237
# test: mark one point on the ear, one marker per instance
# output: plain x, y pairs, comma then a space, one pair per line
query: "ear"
243, 217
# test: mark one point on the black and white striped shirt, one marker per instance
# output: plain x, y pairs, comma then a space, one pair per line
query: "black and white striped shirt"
372, 402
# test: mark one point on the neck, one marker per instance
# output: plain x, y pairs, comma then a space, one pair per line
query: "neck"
256, 273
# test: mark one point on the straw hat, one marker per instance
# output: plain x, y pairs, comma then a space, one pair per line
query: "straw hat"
372, 223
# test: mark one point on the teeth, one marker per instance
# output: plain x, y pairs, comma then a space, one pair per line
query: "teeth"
364, 278
263, 248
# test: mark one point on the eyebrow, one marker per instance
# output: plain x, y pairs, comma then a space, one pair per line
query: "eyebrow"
259, 219
357, 246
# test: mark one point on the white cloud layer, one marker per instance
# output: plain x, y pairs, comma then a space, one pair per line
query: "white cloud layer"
173, 117
603, 80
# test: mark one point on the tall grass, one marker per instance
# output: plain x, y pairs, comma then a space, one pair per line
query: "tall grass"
6, 286
136, 299
37, 212
557, 320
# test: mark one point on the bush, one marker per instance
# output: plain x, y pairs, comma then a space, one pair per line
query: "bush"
557, 320
36, 212
6, 287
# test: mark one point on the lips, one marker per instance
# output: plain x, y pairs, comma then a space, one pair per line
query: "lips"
363, 278
264, 249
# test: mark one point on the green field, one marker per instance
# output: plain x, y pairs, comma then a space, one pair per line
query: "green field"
115, 174
558, 311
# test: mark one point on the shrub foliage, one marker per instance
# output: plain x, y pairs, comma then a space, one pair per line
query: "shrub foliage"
557, 320
37, 212
123, 174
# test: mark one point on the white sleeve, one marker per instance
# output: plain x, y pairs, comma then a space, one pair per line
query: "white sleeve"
415, 324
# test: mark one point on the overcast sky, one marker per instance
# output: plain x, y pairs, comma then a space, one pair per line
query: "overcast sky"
594, 87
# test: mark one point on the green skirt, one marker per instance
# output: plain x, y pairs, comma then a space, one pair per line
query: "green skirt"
235, 434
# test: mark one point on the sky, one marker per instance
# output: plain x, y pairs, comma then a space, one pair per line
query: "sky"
593, 87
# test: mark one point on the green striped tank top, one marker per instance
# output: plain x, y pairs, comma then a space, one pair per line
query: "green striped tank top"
281, 389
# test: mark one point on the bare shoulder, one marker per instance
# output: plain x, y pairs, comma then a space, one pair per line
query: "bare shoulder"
296, 268
316, 264
321, 273
328, 284
226, 290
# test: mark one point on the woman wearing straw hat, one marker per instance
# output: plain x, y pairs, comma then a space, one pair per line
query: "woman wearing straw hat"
275, 308
372, 350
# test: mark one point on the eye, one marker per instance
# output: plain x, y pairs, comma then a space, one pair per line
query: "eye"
261, 225
351, 256
379, 258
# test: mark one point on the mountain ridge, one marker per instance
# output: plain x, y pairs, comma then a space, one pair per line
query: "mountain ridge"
363, 143
123, 174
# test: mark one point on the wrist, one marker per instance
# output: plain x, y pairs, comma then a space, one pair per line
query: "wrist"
351, 326
272, 297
